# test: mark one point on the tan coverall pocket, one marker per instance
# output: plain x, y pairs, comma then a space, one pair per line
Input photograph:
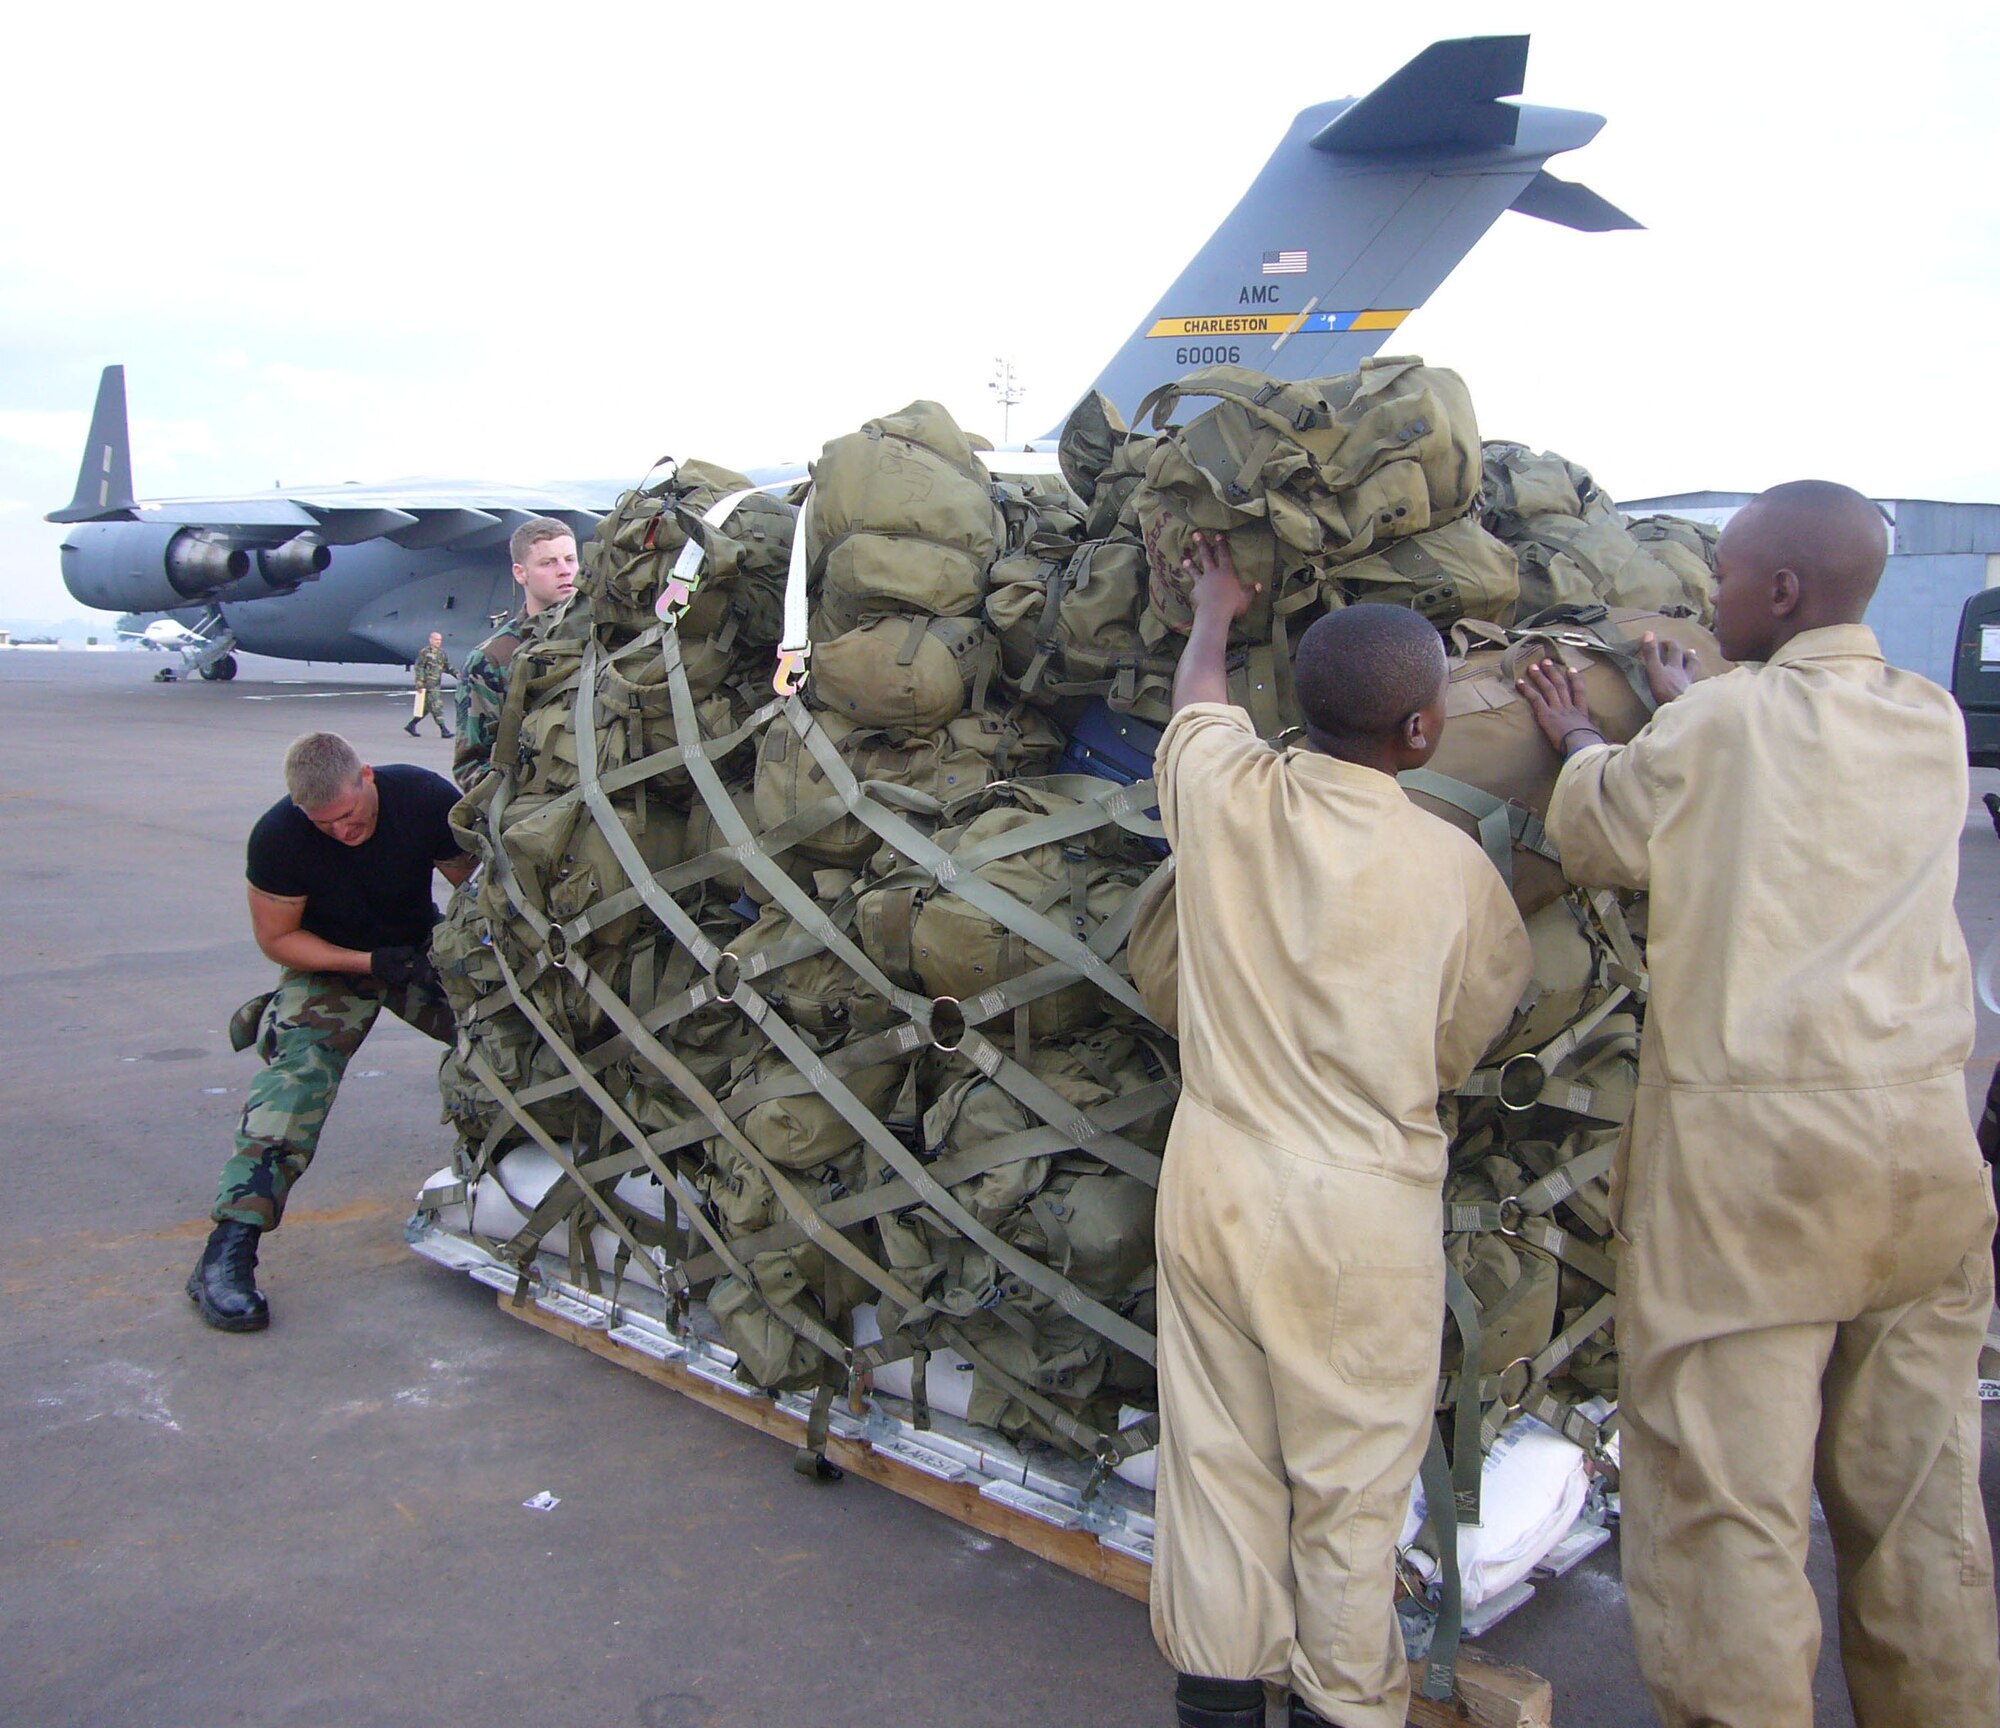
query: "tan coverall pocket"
1377, 1310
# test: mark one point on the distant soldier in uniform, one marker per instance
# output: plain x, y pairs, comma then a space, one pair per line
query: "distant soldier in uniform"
430, 667
1344, 956
340, 898
1805, 1281
545, 568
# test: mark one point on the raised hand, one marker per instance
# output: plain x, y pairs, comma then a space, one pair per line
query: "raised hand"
1670, 668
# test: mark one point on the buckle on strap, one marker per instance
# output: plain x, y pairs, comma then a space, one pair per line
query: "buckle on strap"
791, 675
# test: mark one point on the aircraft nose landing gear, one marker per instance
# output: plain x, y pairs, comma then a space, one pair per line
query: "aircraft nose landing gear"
221, 671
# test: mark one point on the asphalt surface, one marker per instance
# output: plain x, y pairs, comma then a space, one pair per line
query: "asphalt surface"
323, 1524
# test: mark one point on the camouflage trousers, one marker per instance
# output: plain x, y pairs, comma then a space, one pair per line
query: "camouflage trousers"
312, 1025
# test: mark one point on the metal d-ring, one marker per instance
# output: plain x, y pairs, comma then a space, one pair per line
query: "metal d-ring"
1509, 1088
947, 1009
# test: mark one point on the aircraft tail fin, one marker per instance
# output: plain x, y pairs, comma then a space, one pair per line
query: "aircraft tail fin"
104, 481
1363, 209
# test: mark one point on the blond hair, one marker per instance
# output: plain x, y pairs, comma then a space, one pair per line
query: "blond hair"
318, 768
533, 532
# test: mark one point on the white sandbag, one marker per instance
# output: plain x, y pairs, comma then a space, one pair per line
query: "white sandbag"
453, 1216
1142, 1469
516, 1185
1530, 1492
948, 1384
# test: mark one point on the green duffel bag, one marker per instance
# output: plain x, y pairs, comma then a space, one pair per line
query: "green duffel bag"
1305, 475
462, 952
914, 671
1688, 549
937, 768
799, 1281
629, 561
1103, 461
1519, 484
1516, 1289
564, 864
1069, 628
1062, 1361
1454, 571
1090, 1071
902, 518
1567, 559
799, 1130
816, 992
926, 937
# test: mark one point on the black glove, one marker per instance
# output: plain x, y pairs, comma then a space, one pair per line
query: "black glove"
400, 966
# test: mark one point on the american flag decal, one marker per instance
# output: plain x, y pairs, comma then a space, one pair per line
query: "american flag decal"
1285, 263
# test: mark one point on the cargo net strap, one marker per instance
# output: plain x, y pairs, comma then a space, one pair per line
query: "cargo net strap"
714, 976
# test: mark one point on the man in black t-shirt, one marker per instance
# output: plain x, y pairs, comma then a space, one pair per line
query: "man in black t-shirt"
340, 897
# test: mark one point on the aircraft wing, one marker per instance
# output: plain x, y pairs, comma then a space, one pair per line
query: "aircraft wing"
457, 515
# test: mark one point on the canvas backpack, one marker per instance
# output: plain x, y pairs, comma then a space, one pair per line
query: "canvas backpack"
902, 518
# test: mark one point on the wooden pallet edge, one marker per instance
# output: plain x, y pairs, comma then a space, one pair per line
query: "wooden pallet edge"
1491, 1694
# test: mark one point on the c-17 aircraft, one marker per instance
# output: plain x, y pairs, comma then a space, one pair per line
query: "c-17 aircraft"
1361, 212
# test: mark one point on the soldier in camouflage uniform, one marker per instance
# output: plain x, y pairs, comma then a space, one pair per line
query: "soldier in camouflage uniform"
340, 898
545, 569
430, 667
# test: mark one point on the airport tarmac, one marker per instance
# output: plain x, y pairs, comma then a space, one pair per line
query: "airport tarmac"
323, 1524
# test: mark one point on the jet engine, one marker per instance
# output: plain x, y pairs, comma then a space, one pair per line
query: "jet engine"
300, 560
199, 564
159, 567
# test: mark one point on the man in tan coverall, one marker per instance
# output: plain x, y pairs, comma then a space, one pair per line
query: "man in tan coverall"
1805, 1278
1343, 956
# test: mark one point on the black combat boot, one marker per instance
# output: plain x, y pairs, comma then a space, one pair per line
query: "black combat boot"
1200, 1702
223, 1284
411, 728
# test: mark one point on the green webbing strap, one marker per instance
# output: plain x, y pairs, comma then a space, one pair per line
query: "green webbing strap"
802, 1056
1088, 1441
1465, 1449
1618, 937
1098, 803
896, 1041
1441, 1668
1547, 1192
1502, 825
795, 1203
919, 849
549, 1144
1016, 1148
1593, 1263
1536, 1398
1056, 1110
1054, 586
802, 1326
1572, 1424
1566, 1344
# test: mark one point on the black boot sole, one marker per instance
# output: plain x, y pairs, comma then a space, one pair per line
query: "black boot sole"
215, 1317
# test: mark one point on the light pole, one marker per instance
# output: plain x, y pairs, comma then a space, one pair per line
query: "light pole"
1008, 388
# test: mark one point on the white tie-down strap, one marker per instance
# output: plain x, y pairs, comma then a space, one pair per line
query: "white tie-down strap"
685, 577
794, 645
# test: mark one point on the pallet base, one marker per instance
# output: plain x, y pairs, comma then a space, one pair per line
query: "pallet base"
1491, 1694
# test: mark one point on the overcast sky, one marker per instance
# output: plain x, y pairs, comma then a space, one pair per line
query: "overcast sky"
532, 243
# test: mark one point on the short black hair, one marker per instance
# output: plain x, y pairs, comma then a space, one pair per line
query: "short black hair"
1363, 670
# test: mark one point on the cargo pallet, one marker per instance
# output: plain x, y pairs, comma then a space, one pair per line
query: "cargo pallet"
985, 1486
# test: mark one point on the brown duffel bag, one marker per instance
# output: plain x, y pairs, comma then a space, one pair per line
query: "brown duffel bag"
1494, 771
